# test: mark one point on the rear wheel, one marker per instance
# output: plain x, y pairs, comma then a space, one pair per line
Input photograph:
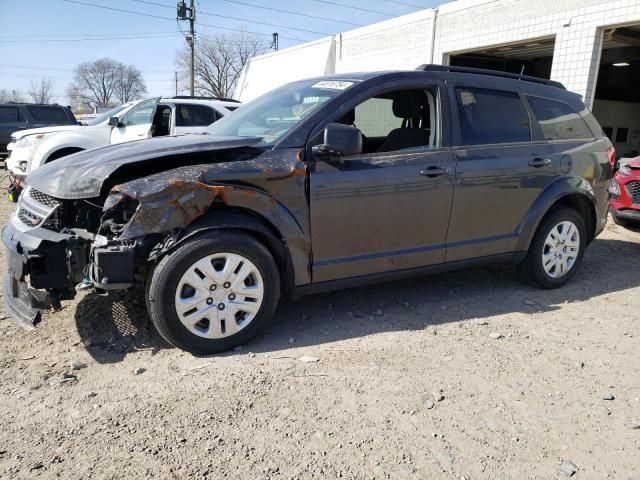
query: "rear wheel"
556, 250
214, 292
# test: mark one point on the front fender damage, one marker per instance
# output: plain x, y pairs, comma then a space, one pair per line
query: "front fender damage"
170, 201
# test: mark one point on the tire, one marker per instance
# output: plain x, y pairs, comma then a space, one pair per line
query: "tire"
561, 269
173, 289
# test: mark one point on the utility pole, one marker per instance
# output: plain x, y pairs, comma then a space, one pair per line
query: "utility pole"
274, 42
176, 83
183, 10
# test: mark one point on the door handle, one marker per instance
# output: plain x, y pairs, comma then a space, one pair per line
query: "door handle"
539, 162
435, 171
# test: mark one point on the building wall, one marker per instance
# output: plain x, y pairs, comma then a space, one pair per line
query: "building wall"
620, 115
400, 43
408, 41
272, 70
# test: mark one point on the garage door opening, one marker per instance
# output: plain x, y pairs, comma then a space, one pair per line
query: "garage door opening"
617, 97
533, 57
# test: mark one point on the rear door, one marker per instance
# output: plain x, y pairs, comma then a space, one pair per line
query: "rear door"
194, 118
385, 209
136, 123
502, 167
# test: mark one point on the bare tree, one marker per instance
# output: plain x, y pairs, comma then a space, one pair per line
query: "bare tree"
219, 61
11, 96
130, 84
97, 83
42, 91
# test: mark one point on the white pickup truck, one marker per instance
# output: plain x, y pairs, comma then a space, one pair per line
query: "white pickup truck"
29, 149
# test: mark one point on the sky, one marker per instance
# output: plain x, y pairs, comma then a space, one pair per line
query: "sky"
48, 38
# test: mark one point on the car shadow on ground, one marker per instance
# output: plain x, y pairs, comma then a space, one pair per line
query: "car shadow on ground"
112, 326
120, 324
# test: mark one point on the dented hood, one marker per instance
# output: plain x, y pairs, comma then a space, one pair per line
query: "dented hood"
82, 175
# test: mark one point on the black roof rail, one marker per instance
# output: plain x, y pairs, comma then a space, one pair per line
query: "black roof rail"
493, 73
194, 97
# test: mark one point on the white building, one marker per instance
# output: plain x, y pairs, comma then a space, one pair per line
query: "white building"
591, 46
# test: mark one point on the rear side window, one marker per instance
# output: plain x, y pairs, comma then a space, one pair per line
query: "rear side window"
9, 115
492, 116
49, 114
195, 116
558, 120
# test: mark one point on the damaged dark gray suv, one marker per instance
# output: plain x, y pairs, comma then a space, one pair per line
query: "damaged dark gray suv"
321, 184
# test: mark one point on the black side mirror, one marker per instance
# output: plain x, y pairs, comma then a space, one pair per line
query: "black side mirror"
339, 141
114, 122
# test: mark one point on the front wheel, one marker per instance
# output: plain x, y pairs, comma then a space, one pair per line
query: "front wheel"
214, 292
556, 250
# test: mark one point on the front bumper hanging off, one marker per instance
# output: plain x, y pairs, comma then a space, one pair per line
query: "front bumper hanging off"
29, 273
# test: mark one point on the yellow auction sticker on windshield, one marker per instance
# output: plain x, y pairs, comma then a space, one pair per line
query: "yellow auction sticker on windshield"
332, 84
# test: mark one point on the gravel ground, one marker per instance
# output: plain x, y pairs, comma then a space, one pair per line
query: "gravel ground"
463, 375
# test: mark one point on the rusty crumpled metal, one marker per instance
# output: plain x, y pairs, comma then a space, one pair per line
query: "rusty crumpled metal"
175, 198
273, 186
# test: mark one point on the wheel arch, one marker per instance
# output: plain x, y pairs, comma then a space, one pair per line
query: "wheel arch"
572, 192
61, 152
251, 223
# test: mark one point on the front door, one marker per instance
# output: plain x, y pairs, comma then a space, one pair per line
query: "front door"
385, 209
136, 123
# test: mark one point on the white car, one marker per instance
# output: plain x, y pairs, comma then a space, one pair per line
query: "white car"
29, 149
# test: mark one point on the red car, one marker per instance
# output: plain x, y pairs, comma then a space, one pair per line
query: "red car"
625, 194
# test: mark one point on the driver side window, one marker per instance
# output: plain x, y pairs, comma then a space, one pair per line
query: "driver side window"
141, 114
397, 120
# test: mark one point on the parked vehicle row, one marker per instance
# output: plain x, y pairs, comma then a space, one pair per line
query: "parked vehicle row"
21, 116
30, 149
321, 184
625, 194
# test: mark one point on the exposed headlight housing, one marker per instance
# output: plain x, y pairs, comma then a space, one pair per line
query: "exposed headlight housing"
614, 188
624, 170
29, 140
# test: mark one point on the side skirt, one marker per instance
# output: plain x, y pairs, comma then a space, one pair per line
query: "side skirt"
351, 282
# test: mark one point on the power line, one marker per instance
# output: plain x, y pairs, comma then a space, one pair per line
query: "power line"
405, 4
36, 67
173, 19
75, 35
352, 7
257, 22
293, 13
88, 39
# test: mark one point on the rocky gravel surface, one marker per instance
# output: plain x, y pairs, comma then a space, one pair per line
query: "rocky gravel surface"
466, 375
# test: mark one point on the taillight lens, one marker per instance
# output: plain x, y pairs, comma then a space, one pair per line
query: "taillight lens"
611, 155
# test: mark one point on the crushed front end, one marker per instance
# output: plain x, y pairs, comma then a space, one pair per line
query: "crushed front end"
57, 246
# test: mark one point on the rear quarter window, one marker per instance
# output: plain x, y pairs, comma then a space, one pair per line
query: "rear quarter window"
10, 115
195, 116
49, 114
491, 116
558, 120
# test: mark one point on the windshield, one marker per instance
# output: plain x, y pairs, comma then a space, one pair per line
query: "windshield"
272, 115
106, 115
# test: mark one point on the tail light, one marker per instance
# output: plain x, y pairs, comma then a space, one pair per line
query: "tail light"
611, 155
